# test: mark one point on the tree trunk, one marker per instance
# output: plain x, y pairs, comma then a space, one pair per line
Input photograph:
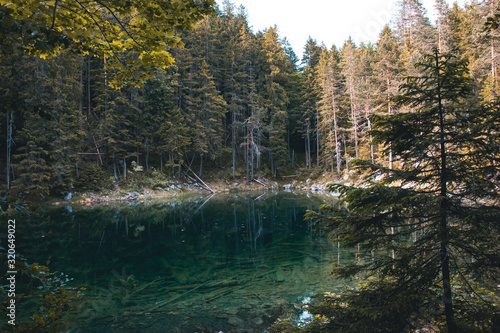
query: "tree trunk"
124, 169
389, 107
179, 170
355, 127
233, 143
10, 122
443, 227
305, 149
247, 147
252, 163
354, 116
367, 113
272, 162
201, 166
147, 154
259, 139
335, 127
493, 65
493, 55
88, 88
308, 147
114, 166
289, 149
80, 106
345, 149
317, 138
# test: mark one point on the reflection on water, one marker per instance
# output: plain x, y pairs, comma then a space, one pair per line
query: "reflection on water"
231, 262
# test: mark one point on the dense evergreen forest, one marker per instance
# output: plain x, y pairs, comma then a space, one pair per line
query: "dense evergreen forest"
233, 99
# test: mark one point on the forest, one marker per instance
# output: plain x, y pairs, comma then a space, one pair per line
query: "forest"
233, 99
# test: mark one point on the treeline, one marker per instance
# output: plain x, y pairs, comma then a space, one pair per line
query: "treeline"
234, 99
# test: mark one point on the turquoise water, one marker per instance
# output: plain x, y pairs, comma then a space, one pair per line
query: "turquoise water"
226, 262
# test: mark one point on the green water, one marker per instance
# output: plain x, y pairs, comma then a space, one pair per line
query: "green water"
228, 262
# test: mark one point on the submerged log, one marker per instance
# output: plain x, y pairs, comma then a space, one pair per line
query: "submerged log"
203, 329
203, 286
200, 286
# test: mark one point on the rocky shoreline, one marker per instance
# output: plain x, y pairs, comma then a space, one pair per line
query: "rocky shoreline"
179, 190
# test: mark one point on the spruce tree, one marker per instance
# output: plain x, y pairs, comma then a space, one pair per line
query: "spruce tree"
34, 175
273, 71
116, 129
61, 95
205, 109
51, 133
167, 126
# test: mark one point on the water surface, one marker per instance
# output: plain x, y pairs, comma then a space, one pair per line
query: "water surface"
230, 262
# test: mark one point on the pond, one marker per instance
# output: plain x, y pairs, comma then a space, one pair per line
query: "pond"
226, 262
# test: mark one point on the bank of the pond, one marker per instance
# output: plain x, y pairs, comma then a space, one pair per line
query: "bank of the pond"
175, 190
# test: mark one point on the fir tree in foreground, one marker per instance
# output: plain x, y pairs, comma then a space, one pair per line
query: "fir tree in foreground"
430, 228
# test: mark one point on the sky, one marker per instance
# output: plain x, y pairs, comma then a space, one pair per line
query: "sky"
328, 21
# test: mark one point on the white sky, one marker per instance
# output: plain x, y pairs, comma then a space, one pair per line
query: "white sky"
328, 21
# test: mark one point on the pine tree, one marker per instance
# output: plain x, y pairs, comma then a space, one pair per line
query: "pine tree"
388, 68
415, 32
413, 27
351, 71
489, 54
367, 97
442, 24
331, 87
310, 96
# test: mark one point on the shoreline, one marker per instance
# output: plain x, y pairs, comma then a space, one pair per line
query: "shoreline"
183, 190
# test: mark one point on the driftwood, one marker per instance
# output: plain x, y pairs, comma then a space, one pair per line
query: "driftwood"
199, 179
258, 181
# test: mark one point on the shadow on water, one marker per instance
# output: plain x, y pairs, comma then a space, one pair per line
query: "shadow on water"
222, 262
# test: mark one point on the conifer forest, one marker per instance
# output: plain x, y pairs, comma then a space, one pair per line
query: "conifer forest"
232, 98
105, 94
